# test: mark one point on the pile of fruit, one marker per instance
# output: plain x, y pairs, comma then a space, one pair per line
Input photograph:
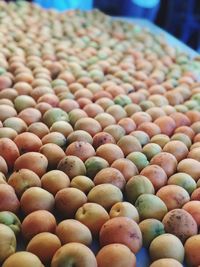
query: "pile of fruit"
99, 142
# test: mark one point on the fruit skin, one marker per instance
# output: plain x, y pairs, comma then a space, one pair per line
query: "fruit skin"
174, 196
23, 259
36, 198
193, 207
10, 219
168, 262
150, 229
192, 246
150, 206
73, 231
180, 223
8, 242
184, 180
33, 161
121, 230
22, 180
9, 200
117, 255
106, 195
94, 165
54, 114
166, 246
72, 166
68, 200
9, 151
124, 209
191, 167
93, 216
44, 246
74, 254
83, 183
34, 223
137, 186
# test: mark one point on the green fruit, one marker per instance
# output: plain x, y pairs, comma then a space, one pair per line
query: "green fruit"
137, 186
54, 114
151, 228
94, 165
10, 219
139, 159
150, 206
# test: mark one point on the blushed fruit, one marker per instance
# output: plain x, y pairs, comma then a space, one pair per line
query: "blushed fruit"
115, 255
109, 152
124, 209
166, 161
10, 219
192, 246
22, 180
121, 230
6, 112
38, 128
73, 231
167, 125
174, 196
68, 200
106, 195
89, 125
193, 207
176, 148
93, 216
36, 198
136, 186
184, 180
110, 176
22, 259
83, 183
150, 206
28, 142
79, 135
68, 256
156, 175
53, 153
94, 165
128, 144
150, 228
8, 132
166, 246
167, 262
33, 223
33, 161
80, 149
72, 166
44, 246
180, 223
139, 159
126, 167
102, 138
9, 200
54, 180
9, 151
3, 165
194, 154
191, 167
8, 242
30, 115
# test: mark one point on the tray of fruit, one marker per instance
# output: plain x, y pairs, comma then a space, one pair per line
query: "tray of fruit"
99, 142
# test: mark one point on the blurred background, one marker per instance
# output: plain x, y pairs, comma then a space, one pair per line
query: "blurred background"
181, 18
